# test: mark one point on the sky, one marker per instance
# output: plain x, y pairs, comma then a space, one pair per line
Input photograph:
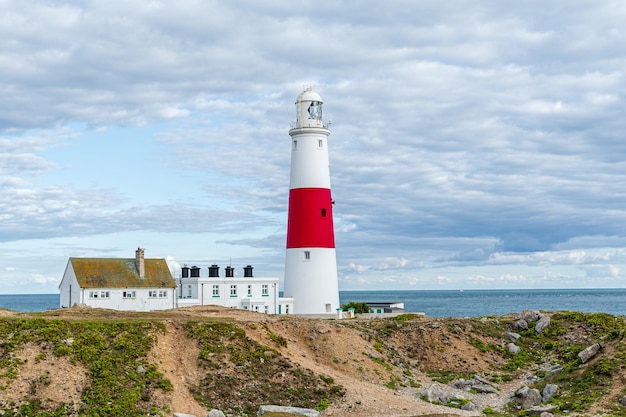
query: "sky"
474, 144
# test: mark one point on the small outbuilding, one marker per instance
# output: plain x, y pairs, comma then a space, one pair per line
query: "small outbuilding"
137, 284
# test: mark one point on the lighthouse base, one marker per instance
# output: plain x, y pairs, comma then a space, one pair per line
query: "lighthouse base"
311, 279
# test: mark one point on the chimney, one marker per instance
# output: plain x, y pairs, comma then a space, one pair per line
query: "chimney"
185, 271
230, 271
214, 271
247, 271
140, 263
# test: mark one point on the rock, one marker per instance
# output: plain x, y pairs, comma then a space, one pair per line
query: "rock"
539, 410
549, 370
215, 413
183, 415
470, 406
140, 369
589, 352
548, 391
513, 337
546, 414
461, 384
543, 322
480, 380
284, 409
622, 401
484, 389
528, 396
530, 316
513, 348
521, 324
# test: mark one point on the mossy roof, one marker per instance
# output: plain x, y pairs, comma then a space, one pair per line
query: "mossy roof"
121, 273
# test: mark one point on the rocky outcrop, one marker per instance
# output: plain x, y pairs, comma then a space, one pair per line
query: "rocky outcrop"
589, 352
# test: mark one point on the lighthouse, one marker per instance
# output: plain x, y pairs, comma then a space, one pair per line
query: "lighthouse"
310, 262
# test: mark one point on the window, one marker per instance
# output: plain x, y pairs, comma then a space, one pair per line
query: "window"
216, 290
307, 255
267, 309
162, 294
295, 145
249, 290
286, 308
105, 294
233, 290
323, 212
265, 291
320, 143
152, 294
188, 291
93, 294
128, 294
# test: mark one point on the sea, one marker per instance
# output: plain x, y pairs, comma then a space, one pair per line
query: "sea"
433, 303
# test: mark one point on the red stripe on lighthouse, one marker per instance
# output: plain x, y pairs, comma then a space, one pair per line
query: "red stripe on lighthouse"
310, 219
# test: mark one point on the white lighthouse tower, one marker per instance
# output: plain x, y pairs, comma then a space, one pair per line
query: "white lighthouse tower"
311, 263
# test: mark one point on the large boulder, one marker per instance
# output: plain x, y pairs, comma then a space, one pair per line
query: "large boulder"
548, 391
513, 348
513, 337
530, 316
215, 413
543, 322
528, 396
589, 352
520, 325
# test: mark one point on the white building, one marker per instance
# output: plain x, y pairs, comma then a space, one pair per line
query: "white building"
247, 292
137, 284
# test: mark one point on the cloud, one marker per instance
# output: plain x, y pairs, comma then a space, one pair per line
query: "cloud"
463, 136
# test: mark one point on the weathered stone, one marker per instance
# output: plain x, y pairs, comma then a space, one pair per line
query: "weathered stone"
538, 410
435, 395
513, 337
520, 324
548, 391
284, 409
543, 322
530, 316
484, 389
215, 413
513, 348
183, 415
550, 370
140, 369
470, 406
622, 401
480, 380
461, 384
589, 352
546, 414
529, 396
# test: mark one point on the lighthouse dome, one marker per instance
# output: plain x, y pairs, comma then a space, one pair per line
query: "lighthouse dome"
309, 95
309, 109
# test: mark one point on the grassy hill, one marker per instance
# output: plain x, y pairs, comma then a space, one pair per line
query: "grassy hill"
106, 363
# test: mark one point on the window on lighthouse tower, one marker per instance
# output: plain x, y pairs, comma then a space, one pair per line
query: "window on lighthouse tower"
307, 255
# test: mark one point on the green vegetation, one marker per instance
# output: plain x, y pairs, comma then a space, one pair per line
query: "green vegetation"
359, 307
270, 378
122, 381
